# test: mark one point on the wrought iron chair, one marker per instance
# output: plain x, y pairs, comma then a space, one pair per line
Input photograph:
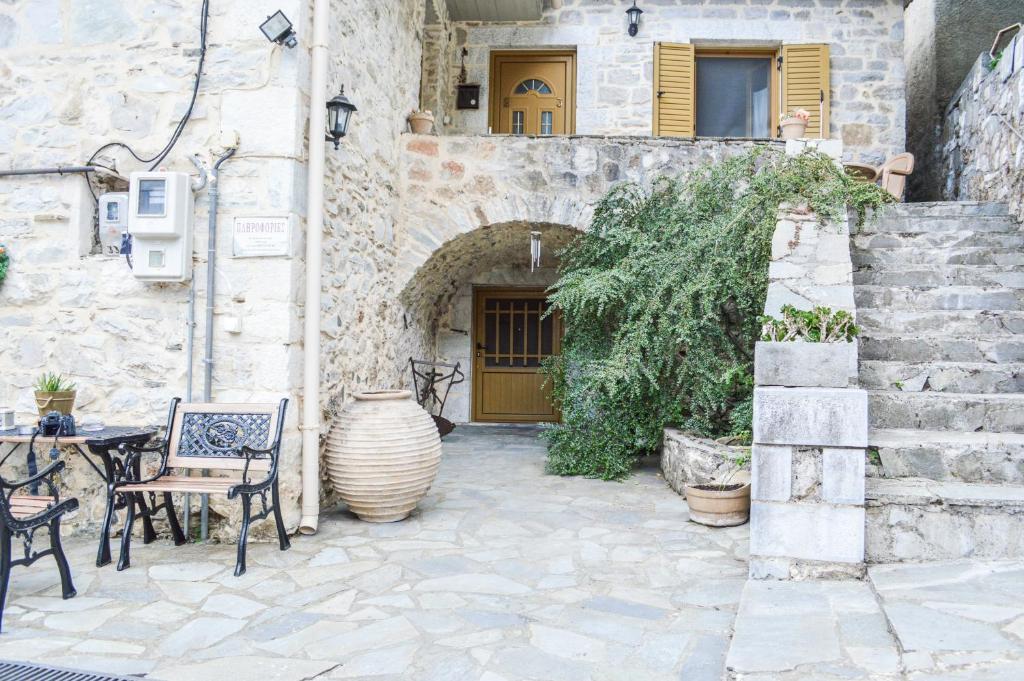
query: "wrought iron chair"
209, 437
21, 515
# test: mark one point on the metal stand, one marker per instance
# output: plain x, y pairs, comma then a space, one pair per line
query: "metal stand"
426, 377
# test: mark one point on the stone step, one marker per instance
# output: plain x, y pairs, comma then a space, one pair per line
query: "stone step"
916, 519
940, 348
947, 209
960, 239
968, 412
920, 276
971, 255
991, 458
929, 224
967, 323
954, 377
939, 298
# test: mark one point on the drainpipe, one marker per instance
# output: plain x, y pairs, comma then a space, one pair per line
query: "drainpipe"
314, 236
211, 280
556, 4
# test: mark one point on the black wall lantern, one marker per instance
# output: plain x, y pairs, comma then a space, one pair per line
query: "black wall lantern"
339, 111
634, 13
278, 29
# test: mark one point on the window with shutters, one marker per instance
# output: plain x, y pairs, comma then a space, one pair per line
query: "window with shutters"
705, 92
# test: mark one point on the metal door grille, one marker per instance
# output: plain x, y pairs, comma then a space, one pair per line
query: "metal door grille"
24, 671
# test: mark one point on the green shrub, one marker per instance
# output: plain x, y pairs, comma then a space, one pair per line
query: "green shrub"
662, 301
820, 325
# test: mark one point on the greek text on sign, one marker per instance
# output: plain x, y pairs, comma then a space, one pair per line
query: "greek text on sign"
256, 237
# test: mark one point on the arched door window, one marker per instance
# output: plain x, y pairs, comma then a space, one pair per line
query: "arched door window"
533, 85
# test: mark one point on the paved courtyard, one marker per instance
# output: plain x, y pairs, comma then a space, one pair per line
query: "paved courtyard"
504, 573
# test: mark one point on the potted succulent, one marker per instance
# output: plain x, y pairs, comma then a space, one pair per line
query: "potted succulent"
421, 122
724, 503
54, 393
794, 124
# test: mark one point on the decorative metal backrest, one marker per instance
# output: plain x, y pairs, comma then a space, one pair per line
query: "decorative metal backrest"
211, 435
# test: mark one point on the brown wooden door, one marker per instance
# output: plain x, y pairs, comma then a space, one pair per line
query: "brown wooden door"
534, 93
511, 337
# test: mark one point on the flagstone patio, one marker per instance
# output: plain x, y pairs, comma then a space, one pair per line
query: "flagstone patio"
504, 573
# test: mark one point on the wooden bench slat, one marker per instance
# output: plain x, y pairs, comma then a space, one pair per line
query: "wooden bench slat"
175, 483
25, 505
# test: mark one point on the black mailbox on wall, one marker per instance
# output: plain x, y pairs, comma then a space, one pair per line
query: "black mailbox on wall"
468, 96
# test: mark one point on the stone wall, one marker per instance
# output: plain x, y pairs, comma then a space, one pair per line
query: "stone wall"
943, 40
810, 419
88, 72
615, 71
468, 204
983, 135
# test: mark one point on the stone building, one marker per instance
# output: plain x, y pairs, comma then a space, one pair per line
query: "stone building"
943, 41
426, 239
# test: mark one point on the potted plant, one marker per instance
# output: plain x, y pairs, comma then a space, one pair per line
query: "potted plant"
794, 124
421, 122
724, 503
54, 393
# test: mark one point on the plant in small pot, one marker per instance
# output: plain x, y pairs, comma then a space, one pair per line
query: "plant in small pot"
421, 122
724, 503
794, 124
54, 393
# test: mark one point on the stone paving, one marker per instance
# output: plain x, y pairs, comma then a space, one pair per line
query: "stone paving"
948, 621
503, 574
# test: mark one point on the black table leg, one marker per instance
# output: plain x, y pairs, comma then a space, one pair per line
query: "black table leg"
148, 531
110, 475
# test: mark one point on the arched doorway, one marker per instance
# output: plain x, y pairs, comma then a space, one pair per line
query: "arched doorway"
446, 303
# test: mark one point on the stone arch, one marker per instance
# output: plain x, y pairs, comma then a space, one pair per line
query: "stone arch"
429, 230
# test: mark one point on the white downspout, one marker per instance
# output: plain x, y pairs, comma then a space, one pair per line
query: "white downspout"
314, 235
556, 4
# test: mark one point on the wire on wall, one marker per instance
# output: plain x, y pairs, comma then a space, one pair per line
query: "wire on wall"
156, 160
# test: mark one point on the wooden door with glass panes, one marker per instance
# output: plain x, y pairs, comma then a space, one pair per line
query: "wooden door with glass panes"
511, 337
533, 94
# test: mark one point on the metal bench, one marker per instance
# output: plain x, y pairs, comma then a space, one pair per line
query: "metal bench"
21, 515
213, 438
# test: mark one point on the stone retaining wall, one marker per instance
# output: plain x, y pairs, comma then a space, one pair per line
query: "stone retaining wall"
983, 134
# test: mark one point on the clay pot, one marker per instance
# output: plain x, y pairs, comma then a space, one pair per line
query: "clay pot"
793, 129
710, 505
383, 453
421, 123
63, 401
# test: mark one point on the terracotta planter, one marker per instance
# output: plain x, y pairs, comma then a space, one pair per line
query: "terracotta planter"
383, 453
64, 402
421, 123
793, 129
719, 508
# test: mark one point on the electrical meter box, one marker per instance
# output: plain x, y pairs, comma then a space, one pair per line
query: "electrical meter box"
113, 213
160, 211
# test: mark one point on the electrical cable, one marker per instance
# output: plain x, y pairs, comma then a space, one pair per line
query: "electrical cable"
180, 127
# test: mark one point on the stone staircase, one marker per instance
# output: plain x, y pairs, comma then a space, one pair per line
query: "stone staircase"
940, 301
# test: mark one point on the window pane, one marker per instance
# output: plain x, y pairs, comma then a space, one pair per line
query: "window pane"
521, 89
518, 122
732, 97
543, 88
152, 194
546, 120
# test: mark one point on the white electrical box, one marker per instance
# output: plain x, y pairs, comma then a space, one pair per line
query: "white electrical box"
160, 211
113, 213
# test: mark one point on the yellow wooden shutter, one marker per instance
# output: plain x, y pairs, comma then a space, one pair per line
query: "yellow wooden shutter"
674, 90
805, 84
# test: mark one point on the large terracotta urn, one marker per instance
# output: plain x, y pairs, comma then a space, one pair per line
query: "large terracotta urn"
383, 453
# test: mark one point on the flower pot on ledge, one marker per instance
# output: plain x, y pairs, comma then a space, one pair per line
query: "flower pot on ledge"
793, 129
421, 122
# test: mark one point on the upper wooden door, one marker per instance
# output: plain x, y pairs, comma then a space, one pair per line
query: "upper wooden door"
533, 93
511, 338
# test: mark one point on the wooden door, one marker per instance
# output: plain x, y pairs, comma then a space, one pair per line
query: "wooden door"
533, 93
511, 337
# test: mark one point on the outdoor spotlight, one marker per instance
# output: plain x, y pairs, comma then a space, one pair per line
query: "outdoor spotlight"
634, 13
279, 30
339, 111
